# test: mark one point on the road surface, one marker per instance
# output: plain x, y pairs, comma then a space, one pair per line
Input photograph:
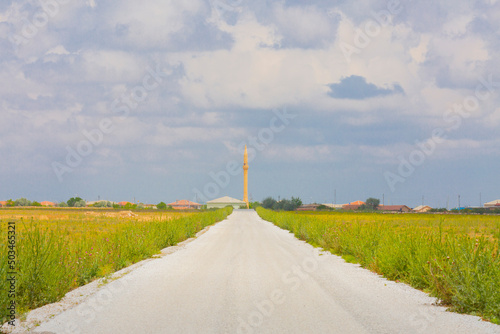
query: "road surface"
245, 275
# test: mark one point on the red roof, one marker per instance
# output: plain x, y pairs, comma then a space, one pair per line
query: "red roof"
351, 207
357, 203
123, 203
183, 202
394, 208
47, 203
3, 203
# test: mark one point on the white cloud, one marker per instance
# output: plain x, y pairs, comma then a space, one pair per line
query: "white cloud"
464, 55
419, 53
58, 50
457, 26
304, 26
112, 66
492, 120
152, 23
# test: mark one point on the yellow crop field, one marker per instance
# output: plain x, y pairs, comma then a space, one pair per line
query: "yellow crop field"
453, 257
52, 251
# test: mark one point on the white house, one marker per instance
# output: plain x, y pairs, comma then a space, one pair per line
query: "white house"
492, 204
422, 208
222, 202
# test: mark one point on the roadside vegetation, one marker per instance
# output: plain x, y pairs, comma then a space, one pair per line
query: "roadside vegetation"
282, 205
60, 250
454, 257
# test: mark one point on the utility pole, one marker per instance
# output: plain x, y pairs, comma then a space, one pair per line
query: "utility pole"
459, 201
335, 197
383, 199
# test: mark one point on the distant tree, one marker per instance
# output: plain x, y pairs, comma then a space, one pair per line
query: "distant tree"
323, 208
161, 206
63, 205
22, 202
103, 204
80, 204
10, 202
288, 205
283, 205
297, 202
438, 210
269, 203
72, 201
254, 205
372, 203
35, 203
130, 206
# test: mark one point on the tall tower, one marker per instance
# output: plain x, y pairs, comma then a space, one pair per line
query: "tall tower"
245, 177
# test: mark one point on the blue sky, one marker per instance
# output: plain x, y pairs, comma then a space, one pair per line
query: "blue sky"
154, 100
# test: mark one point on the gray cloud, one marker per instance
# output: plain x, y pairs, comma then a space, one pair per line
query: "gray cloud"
356, 88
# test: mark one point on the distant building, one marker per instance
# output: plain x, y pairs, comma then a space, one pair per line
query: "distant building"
394, 208
222, 202
3, 203
150, 206
123, 203
47, 203
492, 204
308, 207
333, 206
353, 206
422, 208
184, 205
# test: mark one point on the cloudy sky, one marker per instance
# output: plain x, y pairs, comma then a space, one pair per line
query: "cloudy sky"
336, 100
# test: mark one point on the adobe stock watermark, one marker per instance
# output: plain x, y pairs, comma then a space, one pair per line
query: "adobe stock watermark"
95, 304
33, 25
121, 108
422, 319
256, 144
292, 280
371, 29
454, 117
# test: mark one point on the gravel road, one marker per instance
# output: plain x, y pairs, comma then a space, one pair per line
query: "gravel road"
245, 275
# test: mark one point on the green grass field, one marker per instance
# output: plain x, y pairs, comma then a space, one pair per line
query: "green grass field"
453, 257
59, 250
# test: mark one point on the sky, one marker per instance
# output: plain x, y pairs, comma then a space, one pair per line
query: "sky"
337, 101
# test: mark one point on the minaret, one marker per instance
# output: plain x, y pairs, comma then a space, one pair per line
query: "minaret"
245, 178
